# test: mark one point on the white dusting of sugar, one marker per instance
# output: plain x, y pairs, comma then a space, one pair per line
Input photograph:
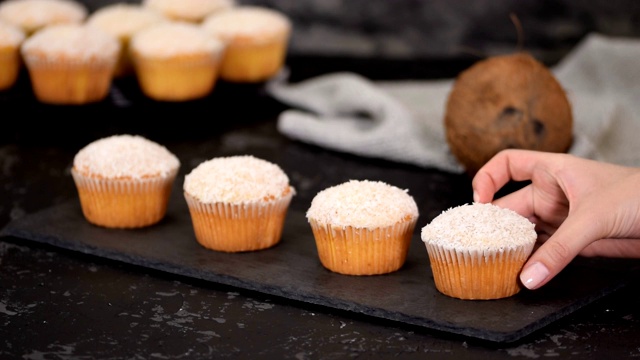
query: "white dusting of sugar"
34, 14
236, 179
479, 227
125, 156
174, 38
188, 10
362, 204
10, 35
73, 42
247, 21
124, 19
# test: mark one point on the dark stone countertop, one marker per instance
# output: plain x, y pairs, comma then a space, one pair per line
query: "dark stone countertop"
58, 304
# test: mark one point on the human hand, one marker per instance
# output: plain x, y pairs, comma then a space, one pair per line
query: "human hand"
580, 207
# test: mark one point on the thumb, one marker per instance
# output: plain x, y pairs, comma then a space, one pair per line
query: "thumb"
575, 233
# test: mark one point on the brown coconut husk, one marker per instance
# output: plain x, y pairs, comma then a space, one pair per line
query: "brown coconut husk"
506, 102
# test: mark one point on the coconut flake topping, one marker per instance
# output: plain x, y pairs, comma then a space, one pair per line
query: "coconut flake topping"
125, 156
35, 14
123, 19
247, 21
188, 10
75, 41
10, 35
174, 38
236, 179
479, 227
362, 204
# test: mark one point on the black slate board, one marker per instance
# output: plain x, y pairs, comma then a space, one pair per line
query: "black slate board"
292, 270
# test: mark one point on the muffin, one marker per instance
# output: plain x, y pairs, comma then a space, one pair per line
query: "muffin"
238, 203
70, 64
123, 20
193, 11
124, 181
477, 250
11, 37
506, 102
362, 227
257, 39
33, 15
175, 61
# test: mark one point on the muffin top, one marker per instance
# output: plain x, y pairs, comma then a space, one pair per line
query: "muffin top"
188, 10
362, 204
170, 39
479, 227
32, 15
125, 157
237, 179
73, 42
124, 19
10, 35
247, 23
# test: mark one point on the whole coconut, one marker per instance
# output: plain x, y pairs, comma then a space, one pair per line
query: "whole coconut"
502, 102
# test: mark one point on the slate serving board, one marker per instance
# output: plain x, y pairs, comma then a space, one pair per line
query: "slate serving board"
292, 270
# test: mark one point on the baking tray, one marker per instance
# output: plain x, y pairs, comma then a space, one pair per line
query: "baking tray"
292, 270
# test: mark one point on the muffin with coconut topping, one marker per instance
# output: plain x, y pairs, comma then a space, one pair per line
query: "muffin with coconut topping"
124, 181
11, 38
123, 20
362, 227
256, 41
175, 61
238, 203
70, 64
477, 250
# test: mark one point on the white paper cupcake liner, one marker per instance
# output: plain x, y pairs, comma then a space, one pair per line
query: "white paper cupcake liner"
128, 203
238, 227
361, 251
477, 274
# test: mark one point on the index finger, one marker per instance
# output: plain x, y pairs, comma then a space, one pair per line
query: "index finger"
507, 165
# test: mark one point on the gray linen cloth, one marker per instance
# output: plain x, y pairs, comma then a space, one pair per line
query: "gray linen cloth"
402, 121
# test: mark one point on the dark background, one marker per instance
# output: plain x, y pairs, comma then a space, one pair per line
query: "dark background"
421, 29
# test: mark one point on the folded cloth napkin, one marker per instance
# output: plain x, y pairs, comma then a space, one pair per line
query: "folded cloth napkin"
403, 121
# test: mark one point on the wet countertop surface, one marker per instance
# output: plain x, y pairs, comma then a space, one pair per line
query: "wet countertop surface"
61, 304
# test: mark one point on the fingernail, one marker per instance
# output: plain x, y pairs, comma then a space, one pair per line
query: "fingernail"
475, 197
533, 275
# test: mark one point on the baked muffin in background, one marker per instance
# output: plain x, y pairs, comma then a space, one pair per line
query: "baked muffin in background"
33, 15
363, 227
477, 250
11, 38
123, 20
257, 41
238, 203
193, 11
175, 61
70, 64
124, 181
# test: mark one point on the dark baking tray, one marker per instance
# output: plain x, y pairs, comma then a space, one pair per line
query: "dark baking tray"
292, 270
